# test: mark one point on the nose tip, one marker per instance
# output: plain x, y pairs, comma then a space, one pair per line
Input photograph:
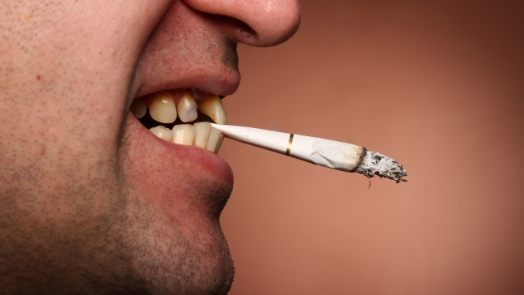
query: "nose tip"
269, 21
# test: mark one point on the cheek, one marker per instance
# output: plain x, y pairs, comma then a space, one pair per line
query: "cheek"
68, 70
69, 74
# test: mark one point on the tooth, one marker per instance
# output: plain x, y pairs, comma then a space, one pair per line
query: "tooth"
184, 134
162, 108
212, 107
138, 108
202, 130
214, 141
162, 132
187, 108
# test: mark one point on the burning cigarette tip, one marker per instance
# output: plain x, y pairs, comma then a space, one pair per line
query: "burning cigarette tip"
376, 164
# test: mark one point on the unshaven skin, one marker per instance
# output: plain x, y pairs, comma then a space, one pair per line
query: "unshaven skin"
90, 200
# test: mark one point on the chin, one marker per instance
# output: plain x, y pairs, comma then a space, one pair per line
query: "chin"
197, 264
172, 236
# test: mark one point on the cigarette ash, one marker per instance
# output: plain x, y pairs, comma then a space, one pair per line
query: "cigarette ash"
376, 164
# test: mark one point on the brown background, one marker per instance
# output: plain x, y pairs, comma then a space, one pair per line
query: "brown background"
438, 86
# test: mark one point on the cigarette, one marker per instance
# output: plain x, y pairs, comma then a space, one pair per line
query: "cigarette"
324, 152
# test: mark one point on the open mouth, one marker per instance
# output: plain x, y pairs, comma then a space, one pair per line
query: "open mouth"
182, 116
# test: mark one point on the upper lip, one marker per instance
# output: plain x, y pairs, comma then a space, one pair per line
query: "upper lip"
221, 83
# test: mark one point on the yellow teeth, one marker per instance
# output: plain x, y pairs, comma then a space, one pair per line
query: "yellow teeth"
214, 141
184, 134
202, 130
162, 108
168, 106
162, 132
200, 135
187, 108
212, 107
139, 109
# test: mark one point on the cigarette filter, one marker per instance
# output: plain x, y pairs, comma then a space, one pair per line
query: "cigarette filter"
324, 152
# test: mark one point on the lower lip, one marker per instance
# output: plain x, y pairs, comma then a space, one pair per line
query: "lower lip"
199, 159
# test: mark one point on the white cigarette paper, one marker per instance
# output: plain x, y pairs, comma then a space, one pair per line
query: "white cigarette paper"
324, 152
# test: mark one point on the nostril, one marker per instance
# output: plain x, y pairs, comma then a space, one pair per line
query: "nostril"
235, 29
238, 31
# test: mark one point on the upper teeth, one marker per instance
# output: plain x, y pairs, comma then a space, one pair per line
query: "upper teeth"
162, 108
187, 108
212, 107
165, 107
138, 108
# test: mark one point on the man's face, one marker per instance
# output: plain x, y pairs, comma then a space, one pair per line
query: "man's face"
91, 200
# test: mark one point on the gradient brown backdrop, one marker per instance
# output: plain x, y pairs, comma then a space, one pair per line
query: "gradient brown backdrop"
438, 86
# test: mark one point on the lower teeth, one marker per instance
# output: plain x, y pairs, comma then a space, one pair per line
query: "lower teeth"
200, 134
184, 134
162, 133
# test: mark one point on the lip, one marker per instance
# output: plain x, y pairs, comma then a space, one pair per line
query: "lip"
222, 83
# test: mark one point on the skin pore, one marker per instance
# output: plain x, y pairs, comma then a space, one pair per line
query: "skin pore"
90, 201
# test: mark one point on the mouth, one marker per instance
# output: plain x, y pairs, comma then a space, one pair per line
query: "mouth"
183, 117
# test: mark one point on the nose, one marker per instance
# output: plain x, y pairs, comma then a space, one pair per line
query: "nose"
253, 22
